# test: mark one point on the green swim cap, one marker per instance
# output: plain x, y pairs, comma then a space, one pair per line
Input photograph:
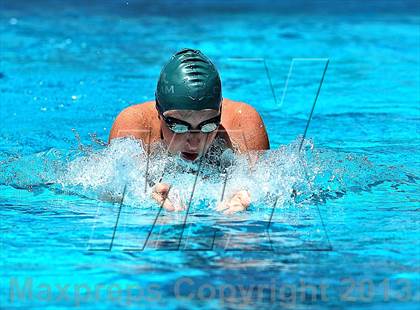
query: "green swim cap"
189, 81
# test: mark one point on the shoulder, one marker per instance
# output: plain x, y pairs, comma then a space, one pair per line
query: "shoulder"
236, 111
243, 121
237, 114
134, 120
230, 105
142, 109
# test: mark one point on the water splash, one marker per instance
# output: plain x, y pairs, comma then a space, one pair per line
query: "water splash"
314, 174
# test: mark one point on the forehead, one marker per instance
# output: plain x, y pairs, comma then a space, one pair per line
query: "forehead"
192, 116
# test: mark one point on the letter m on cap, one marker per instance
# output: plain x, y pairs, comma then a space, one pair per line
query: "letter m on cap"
168, 89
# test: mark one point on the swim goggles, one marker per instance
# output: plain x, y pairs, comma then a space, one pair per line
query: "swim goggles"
179, 126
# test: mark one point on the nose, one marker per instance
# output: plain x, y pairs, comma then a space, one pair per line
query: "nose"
193, 141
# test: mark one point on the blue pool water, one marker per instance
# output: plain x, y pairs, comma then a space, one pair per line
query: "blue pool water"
350, 239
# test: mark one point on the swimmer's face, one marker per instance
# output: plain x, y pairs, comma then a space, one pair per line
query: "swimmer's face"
194, 143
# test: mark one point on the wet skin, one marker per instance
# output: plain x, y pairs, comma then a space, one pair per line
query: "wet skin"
241, 127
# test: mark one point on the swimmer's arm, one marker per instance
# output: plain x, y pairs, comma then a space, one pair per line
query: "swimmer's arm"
130, 123
250, 133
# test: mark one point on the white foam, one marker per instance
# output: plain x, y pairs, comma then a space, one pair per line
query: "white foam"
124, 163
277, 174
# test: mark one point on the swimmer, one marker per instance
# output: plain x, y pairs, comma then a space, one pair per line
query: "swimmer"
187, 115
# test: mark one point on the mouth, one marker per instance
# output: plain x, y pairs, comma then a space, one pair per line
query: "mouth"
189, 156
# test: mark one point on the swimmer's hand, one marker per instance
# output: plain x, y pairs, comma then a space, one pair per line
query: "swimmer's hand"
160, 194
236, 203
